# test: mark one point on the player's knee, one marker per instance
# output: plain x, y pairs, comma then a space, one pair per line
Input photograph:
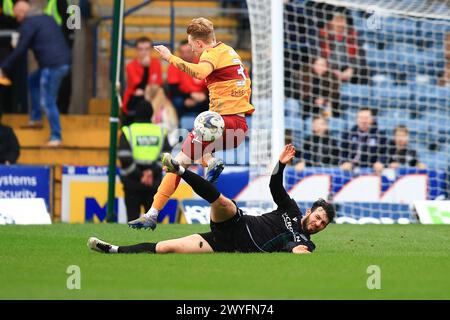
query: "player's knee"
222, 203
164, 247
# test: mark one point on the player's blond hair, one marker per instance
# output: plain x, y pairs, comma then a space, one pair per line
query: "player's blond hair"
201, 29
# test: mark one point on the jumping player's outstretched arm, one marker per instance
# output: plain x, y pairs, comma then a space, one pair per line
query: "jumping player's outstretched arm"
279, 194
197, 70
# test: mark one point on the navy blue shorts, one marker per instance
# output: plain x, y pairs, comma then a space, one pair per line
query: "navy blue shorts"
230, 235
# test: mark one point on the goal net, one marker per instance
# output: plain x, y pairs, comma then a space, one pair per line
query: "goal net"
366, 102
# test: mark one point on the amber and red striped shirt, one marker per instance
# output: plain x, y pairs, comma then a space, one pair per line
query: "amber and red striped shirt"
229, 84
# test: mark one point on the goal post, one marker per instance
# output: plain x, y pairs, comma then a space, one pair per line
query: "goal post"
329, 59
277, 50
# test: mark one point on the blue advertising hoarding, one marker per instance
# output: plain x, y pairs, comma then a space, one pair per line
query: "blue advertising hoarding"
25, 182
404, 185
84, 197
198, 212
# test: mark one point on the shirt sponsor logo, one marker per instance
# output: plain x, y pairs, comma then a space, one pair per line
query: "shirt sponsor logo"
288, 224
147, 141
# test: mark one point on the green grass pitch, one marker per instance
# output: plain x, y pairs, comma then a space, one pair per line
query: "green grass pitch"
414, 261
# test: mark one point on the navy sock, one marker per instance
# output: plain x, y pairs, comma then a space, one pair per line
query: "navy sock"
138, 248
202, 187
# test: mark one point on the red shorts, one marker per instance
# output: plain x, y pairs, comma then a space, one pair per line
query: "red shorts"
234, 133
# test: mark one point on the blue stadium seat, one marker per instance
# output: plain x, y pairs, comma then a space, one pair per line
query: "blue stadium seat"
371, 209
434, 30
434, 159
354, 95
387, 123
404, 55
297, 129
406, 58
359, 22
293, 108
337, 125
418, 128
438, 119
384, 61
187, 122
421, 78
426, 61
249, 121
431, 98
417, 125
238, 156
293, 123
399, 30
397, 97
307, 126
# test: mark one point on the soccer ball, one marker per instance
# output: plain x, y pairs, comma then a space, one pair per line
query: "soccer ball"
208, 126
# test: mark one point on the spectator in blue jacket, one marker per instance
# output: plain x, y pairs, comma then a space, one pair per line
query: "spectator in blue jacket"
44, 37
365, 145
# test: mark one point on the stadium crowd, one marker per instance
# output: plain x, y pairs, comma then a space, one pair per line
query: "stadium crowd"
338, 71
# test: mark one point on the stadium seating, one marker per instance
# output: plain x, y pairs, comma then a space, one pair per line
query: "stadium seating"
398, 30
187, 122
354, 96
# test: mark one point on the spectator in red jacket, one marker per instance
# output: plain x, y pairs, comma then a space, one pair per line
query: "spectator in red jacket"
141, 72
189, 95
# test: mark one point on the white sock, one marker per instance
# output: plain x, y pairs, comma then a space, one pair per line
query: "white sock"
114, 249
152, 213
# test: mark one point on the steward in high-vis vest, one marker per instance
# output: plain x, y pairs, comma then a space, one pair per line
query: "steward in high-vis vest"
140, 147
7, 19
12, 99
8, 8
7, 22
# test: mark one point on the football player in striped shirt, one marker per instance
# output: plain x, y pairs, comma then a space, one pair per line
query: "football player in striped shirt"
229, 94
